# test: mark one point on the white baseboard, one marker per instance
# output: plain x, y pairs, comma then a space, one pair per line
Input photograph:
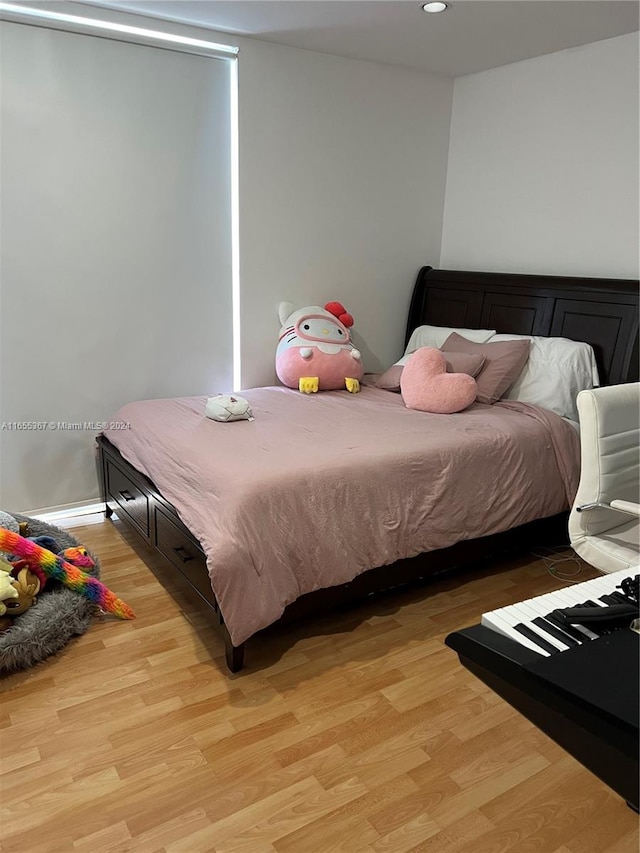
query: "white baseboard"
52, 514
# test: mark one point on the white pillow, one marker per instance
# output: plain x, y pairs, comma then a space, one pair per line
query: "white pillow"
557, 370
435, 336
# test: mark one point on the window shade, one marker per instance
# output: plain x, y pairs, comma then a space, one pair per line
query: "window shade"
116, 245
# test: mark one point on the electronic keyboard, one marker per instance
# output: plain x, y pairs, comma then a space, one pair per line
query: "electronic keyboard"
575, 676
540, 623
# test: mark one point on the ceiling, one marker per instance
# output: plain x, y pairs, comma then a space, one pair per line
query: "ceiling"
470, 36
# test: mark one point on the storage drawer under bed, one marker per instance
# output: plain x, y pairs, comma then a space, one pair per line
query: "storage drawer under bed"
182, 552
131, 500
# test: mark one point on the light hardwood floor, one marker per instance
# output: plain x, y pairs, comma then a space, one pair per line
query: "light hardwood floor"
357, 732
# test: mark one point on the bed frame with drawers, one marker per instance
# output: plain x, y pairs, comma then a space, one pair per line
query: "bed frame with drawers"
601, 312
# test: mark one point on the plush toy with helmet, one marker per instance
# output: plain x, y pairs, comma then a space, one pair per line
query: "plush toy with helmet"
315, 351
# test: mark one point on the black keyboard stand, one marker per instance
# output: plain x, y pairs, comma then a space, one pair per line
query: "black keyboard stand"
586, 699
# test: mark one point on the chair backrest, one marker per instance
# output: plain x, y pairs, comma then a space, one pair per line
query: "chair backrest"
610, 456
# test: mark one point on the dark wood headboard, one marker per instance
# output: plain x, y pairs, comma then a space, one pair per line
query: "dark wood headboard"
602, 312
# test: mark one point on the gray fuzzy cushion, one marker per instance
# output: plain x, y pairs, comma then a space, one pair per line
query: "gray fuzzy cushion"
58, 615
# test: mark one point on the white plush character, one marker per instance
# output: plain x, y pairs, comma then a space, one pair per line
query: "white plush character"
228, 407
315, 352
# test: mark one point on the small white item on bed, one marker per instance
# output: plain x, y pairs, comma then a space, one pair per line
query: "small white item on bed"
228, 407
555, 373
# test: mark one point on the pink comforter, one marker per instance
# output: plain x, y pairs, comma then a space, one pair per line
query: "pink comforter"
319, 488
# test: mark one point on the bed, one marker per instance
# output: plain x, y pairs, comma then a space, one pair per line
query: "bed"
328, 498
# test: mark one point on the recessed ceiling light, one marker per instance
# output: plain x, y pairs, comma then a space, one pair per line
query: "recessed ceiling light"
434, 7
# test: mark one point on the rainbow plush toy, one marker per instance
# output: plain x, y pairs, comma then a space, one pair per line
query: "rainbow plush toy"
59, 569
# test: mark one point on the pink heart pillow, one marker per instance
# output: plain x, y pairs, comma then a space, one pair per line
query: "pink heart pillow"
426, 385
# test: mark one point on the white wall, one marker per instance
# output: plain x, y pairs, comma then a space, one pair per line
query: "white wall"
543, 165
342, 174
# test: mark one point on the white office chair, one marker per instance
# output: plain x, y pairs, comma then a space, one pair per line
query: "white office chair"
604, 524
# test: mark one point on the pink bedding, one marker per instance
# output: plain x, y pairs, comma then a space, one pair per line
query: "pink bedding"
319, 488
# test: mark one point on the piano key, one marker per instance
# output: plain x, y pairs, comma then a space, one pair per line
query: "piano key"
552, 601
546, 607
600, 630
620, 597
564, 595
578, 632
603, 587
539, 607
558, 614
605, 581
530, 610
594, 588
584, 590
497, 623
517, 614
527, 614
544, 604
556, 632
562, 598
526, 631
540, 619
571, 596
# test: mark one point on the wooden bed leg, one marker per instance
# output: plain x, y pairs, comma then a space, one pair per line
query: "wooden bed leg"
233, 654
